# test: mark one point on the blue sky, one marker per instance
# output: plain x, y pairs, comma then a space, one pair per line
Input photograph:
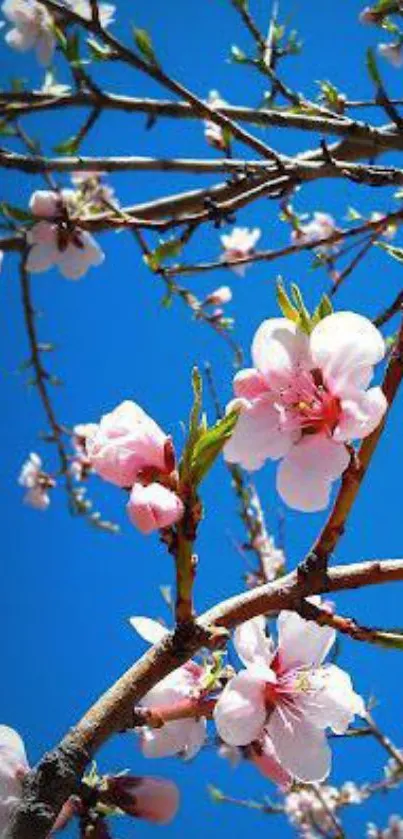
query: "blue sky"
68, 589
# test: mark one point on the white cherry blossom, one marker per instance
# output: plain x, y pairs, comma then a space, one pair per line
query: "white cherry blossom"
32, 28
238, 244
13, 767
186, 736
287, 697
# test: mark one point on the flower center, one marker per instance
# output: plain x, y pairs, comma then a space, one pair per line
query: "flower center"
308, 405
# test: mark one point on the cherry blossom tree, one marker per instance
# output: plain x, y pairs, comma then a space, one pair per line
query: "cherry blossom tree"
255, 675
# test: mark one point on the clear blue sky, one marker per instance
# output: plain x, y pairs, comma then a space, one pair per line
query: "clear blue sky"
67, 589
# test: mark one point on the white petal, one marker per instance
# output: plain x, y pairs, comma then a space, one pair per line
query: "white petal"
251, 642
240, 711
361, 414
300, 747
345, 346
302, 643
172, 738
334, 703
305, 475
279, 348
151, 631
41, 258
257, 436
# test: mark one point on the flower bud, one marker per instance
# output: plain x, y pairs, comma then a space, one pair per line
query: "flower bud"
154, 799
153, 507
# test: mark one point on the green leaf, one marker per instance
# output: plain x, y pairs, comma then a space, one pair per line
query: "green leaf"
353, 214
145, 45
165, 250
98, 51
372, 68
14, 212
69, 146
286, 307
6, 129
304, 320
323, 309
396, 253
72, 49
215, 794
237, 55
210, 444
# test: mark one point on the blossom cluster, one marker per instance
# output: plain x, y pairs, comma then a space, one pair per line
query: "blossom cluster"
276, 709
128, 449
33, 25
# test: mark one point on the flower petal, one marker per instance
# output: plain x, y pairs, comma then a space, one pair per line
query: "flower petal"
345, 346
251, 642
301, 748
279, 349
305, 475
334, 702
240, 711
361, 414
151, 631
302, 643
257, 435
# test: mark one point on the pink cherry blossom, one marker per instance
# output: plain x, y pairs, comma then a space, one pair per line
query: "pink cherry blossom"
286, 698
37, 482
319, 227
32, 28
304, 400
125, 444
13, 767
153, 799
239, 244
219, 297
367, 15
213, 133
153, 506
185, 736
58, 241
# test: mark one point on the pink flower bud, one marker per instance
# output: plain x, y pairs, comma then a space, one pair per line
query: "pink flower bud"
220, 296
125, 443
44, 203
153, 507
72, 807
154, 799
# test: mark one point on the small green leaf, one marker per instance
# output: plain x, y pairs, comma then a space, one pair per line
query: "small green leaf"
323, 309
396, 253
69, 146
237, 55
14, 212
215, 794
372, 68
304, 320
288, 310
353, 214
145, 45
6, 129
165, 250
98, 51
210, 444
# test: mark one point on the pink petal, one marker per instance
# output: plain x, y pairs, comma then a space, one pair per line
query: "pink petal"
173, 738
302, 643
257, 435
43, 233
305, 475
361, 414
279, 349
250, 384
251, 642
267, 763
301, 748
345, 346
153, 799
44, 203
153, 507
41, 258
240, 711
